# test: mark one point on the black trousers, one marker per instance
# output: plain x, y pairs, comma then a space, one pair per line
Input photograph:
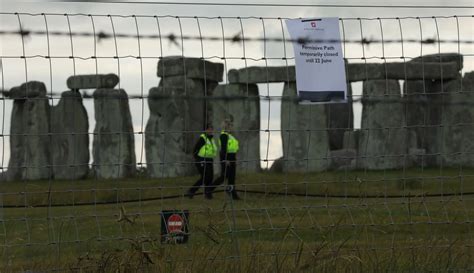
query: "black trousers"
206, 171
227, 172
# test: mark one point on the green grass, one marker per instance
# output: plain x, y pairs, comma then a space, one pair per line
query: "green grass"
396, 230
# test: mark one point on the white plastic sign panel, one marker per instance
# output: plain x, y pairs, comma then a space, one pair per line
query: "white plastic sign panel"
320, 69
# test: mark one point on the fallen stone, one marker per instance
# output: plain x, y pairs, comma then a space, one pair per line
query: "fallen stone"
344, 159
351, 140
193, 68
70, 137
277, 166
382, 142
93, 81
355, 72
416, 157
304, 134
241, 104
113, 145
30, 144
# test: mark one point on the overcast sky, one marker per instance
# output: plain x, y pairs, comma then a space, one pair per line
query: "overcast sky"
136, 81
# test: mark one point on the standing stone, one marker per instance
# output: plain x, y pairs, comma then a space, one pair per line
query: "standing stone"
424, 107
113, 145
174, 124
304, 134
382, 140
179, 111
30, 157
458, 123
340, 119
241, 104
70, 145
423, 116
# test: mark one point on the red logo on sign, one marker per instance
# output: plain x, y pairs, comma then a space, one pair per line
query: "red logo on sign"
313, 24
175, 223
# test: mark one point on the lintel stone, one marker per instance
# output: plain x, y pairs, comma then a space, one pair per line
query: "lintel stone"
355, 72
93, 81
195, 68
441, 58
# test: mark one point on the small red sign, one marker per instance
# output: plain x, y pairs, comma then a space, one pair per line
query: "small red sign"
175, 224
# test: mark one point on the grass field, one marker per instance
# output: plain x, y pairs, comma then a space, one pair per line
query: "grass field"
391, 221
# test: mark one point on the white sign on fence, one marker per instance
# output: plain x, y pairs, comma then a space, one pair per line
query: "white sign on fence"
320, 70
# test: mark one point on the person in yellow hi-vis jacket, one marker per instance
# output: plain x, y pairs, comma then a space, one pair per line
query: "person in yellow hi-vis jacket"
204, 152
229, 146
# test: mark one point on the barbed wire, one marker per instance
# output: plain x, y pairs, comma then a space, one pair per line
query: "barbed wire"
237, 38
279, 18
293, 5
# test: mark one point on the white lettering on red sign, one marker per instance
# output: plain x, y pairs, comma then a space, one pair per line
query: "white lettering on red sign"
175, 223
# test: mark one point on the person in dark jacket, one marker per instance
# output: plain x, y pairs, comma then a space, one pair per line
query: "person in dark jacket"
229, 146
204, 152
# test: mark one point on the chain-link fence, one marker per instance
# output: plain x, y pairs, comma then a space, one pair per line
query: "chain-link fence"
101, 115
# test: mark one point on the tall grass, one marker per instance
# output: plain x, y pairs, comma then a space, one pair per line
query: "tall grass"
351, 224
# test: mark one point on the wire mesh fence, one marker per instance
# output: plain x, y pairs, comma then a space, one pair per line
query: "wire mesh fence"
90, 175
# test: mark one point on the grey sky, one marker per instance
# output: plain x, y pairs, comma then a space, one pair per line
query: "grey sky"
132, 76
